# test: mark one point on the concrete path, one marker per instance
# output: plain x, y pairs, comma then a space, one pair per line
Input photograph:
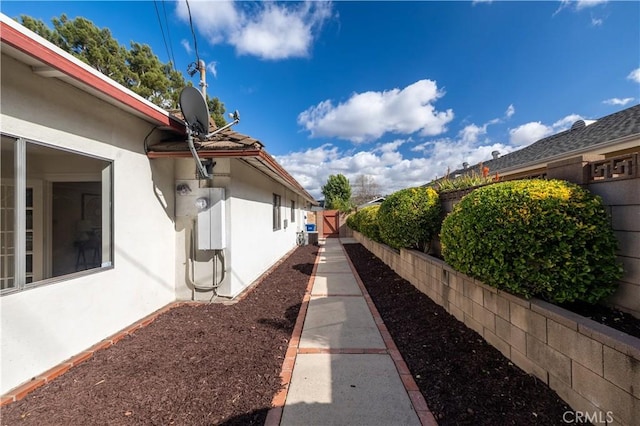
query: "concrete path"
342, 367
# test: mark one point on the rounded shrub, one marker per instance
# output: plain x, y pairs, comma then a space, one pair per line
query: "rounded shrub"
410, 218
545, 238
365, 221
353, 221
368, 222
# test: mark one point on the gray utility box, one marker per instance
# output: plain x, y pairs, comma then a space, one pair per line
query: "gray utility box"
207, 207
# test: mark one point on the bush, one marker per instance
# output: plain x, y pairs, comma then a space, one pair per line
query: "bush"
365, 221
447, 184
369, 223
549, 239
353, 221
410, 218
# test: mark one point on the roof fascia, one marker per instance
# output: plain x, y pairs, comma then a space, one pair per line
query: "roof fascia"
15, 35
259, 154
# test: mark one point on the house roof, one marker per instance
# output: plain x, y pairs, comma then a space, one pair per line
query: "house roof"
48, 60
606, 131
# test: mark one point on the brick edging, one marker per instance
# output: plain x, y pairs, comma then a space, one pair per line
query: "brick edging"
22, 390
274, 416
417, 399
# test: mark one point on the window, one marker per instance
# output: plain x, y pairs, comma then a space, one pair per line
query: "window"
55, 213
276, 212
293, 211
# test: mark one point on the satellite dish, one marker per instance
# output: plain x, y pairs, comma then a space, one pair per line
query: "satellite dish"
196, 114
195, 111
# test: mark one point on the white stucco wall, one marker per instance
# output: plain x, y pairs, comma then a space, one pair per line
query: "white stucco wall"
252, 244
43, 326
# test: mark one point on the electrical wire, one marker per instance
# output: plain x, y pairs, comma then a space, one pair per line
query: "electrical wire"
166, 20
146, 145
193, 33
164, 39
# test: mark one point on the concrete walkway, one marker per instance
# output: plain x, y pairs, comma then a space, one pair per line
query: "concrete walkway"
342, 367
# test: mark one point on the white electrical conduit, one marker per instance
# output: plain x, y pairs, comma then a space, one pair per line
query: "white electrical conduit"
217, 255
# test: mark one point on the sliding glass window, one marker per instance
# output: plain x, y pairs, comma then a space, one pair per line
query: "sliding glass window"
55, 213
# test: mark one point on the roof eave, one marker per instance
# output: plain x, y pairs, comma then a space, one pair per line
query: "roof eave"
269, 165
623, 141
48, 60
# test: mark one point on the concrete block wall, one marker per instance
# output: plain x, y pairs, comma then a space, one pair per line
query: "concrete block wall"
622, 198
594, 368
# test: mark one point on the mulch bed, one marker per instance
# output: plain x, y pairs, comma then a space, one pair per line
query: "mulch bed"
464, 380
220, 364
194, 365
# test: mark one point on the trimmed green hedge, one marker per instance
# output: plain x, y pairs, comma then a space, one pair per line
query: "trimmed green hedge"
365, 221
410, 218
545, 238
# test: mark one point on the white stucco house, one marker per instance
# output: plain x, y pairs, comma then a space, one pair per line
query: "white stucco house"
97, 220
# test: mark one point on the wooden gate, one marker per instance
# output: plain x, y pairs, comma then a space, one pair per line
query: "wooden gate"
331, 225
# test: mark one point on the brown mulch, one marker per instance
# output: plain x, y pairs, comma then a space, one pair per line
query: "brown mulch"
464, 380
220, 364
194, 365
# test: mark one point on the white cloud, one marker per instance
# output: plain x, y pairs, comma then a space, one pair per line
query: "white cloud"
510, 111
472, 132
584, 4
369, 115
566, 122
474, 2
618, 101
391, 169
212, 67
267, 30
528, 133
187, 47
634, 75
596, 22
578, 4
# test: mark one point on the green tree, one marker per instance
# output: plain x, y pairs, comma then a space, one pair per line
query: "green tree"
216, 109
138, 68
337, 193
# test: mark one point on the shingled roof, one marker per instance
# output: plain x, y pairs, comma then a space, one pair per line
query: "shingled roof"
577, 139
226, 140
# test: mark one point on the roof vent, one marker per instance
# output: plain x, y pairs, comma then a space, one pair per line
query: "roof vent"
578, 125
495, 154
465, 165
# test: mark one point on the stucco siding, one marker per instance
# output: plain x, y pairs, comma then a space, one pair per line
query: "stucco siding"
43, 326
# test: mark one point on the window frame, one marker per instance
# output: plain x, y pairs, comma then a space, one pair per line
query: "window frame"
20, 185
277, 217
293, 211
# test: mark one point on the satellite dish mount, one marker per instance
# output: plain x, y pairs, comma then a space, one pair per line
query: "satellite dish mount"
196, 114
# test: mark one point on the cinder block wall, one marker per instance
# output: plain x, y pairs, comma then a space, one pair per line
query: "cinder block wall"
622, 198
594, 368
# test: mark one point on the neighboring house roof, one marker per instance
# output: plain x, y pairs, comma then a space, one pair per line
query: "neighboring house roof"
373, 202
606, 131
48, 60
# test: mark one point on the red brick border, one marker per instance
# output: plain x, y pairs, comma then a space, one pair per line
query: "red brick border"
417, 400
274, 416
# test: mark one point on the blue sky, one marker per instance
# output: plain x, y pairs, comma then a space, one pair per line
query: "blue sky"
398, 91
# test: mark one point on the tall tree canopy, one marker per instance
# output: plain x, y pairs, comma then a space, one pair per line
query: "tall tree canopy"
337, 192
137, 68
